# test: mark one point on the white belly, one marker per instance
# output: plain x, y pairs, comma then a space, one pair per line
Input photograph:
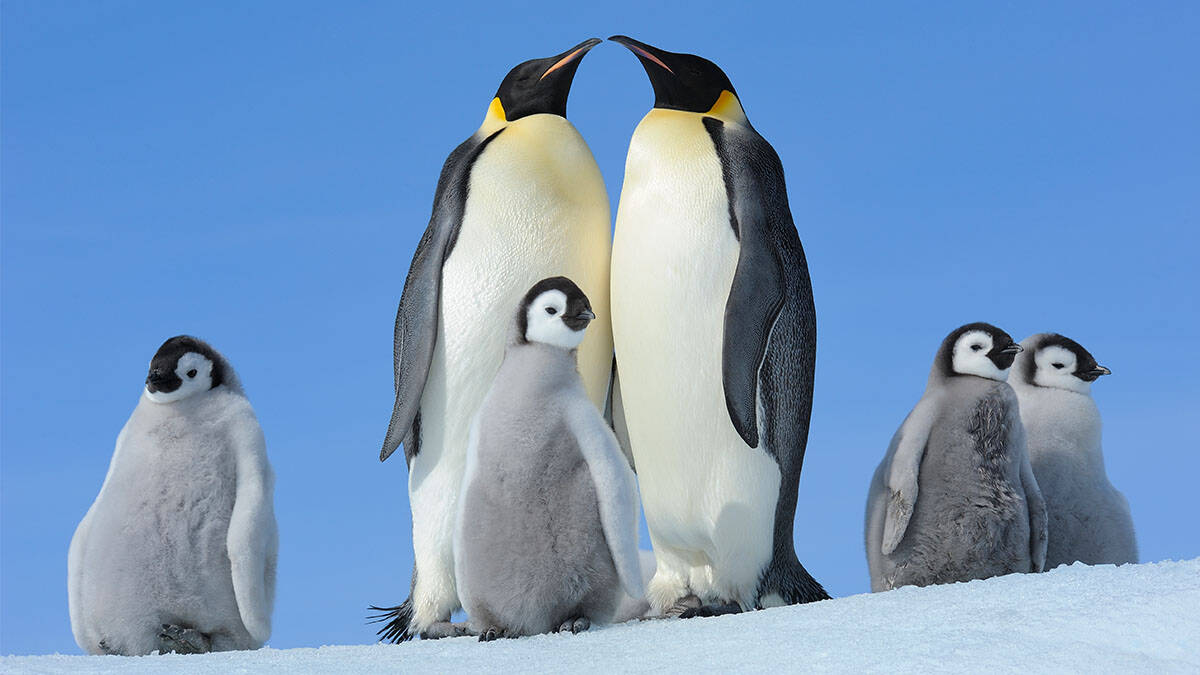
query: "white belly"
709, 499
536, 208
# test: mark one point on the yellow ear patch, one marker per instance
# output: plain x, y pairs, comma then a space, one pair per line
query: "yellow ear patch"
495, 118
728, 108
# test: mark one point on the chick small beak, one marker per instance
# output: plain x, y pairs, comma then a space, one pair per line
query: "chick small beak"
1014, 348
1101, 370
585, 315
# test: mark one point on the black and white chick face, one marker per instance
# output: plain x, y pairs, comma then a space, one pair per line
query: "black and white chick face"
982, 349
1062, 363
554, 312
183, 366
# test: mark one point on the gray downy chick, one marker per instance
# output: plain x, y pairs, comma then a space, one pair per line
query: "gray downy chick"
955, 498
177, 553
546, 534
1089, 520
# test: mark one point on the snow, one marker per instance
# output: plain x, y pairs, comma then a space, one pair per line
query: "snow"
1134, 618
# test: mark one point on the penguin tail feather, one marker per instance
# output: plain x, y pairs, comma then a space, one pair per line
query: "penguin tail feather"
398, 620
793, 584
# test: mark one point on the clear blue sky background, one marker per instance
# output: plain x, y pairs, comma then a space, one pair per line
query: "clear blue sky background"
258, 174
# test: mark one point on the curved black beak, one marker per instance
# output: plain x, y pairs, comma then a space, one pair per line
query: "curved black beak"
1094, 373
1013, 348
648, 54
570, 57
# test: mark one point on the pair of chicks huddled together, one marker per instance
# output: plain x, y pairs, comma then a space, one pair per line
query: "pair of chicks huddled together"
993, 473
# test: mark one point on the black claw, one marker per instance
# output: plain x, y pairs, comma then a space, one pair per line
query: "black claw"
711, 610
488, 635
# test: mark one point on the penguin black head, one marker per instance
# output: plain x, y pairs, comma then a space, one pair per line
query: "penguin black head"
978, 349
539, 85
685, 81
181, 367
554, 312
1059, 362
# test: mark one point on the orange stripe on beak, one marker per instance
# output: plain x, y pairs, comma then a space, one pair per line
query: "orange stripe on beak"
650, 56
562, 62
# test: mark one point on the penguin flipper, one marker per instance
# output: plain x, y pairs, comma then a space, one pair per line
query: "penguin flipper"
759, 289
253, 537
614, 415
1038, 516
903, 471
616, 492
415, 334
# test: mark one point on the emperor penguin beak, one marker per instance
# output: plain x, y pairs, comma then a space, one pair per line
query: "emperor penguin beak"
646, 53
1014, 348
586, 315
1101, 370
572, 54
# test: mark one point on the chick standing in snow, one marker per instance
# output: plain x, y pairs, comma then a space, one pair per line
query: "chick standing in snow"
1089, 519
177, 553
546, 534
955, 498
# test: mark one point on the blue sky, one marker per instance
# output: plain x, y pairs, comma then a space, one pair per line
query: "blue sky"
258, 174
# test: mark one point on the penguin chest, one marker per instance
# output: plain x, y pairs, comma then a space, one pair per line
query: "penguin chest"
536, 207
674, 258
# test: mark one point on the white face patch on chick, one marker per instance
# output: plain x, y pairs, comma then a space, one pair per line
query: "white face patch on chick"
192, 375
1058, 367
549, 320
971, 356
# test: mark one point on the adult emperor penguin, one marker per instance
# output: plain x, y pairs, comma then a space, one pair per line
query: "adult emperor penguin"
954, 498
547, 529
715, 337
1089, 518
522, 199
178, 551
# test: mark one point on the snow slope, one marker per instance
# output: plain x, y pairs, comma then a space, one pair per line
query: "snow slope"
1135, 618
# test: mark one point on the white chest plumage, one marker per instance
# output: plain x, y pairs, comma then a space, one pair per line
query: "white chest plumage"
709, 499
536, 208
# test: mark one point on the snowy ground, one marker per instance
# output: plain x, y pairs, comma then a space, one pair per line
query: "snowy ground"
1136, 618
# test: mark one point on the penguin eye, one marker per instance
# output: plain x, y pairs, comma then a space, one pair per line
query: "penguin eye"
551, 311
976, 348
1057, 365
192, 373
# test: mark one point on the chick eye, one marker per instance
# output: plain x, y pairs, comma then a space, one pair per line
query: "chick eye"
551, 311
1057, 365
192, 373
976, 348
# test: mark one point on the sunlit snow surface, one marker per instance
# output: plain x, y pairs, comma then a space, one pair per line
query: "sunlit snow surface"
1143, 618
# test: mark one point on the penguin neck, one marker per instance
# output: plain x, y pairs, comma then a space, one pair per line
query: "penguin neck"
553, 366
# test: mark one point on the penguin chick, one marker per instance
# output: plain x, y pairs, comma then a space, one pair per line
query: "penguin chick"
520, 200
546, 533
177, 553
1089, 520
955, 498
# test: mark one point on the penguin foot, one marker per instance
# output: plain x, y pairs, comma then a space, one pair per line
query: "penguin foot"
104, 647
575, 625
686, 603
183, 640
489, 634
711, 610
445, 629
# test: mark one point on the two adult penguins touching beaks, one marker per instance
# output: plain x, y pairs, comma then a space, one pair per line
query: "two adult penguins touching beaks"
712, 319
